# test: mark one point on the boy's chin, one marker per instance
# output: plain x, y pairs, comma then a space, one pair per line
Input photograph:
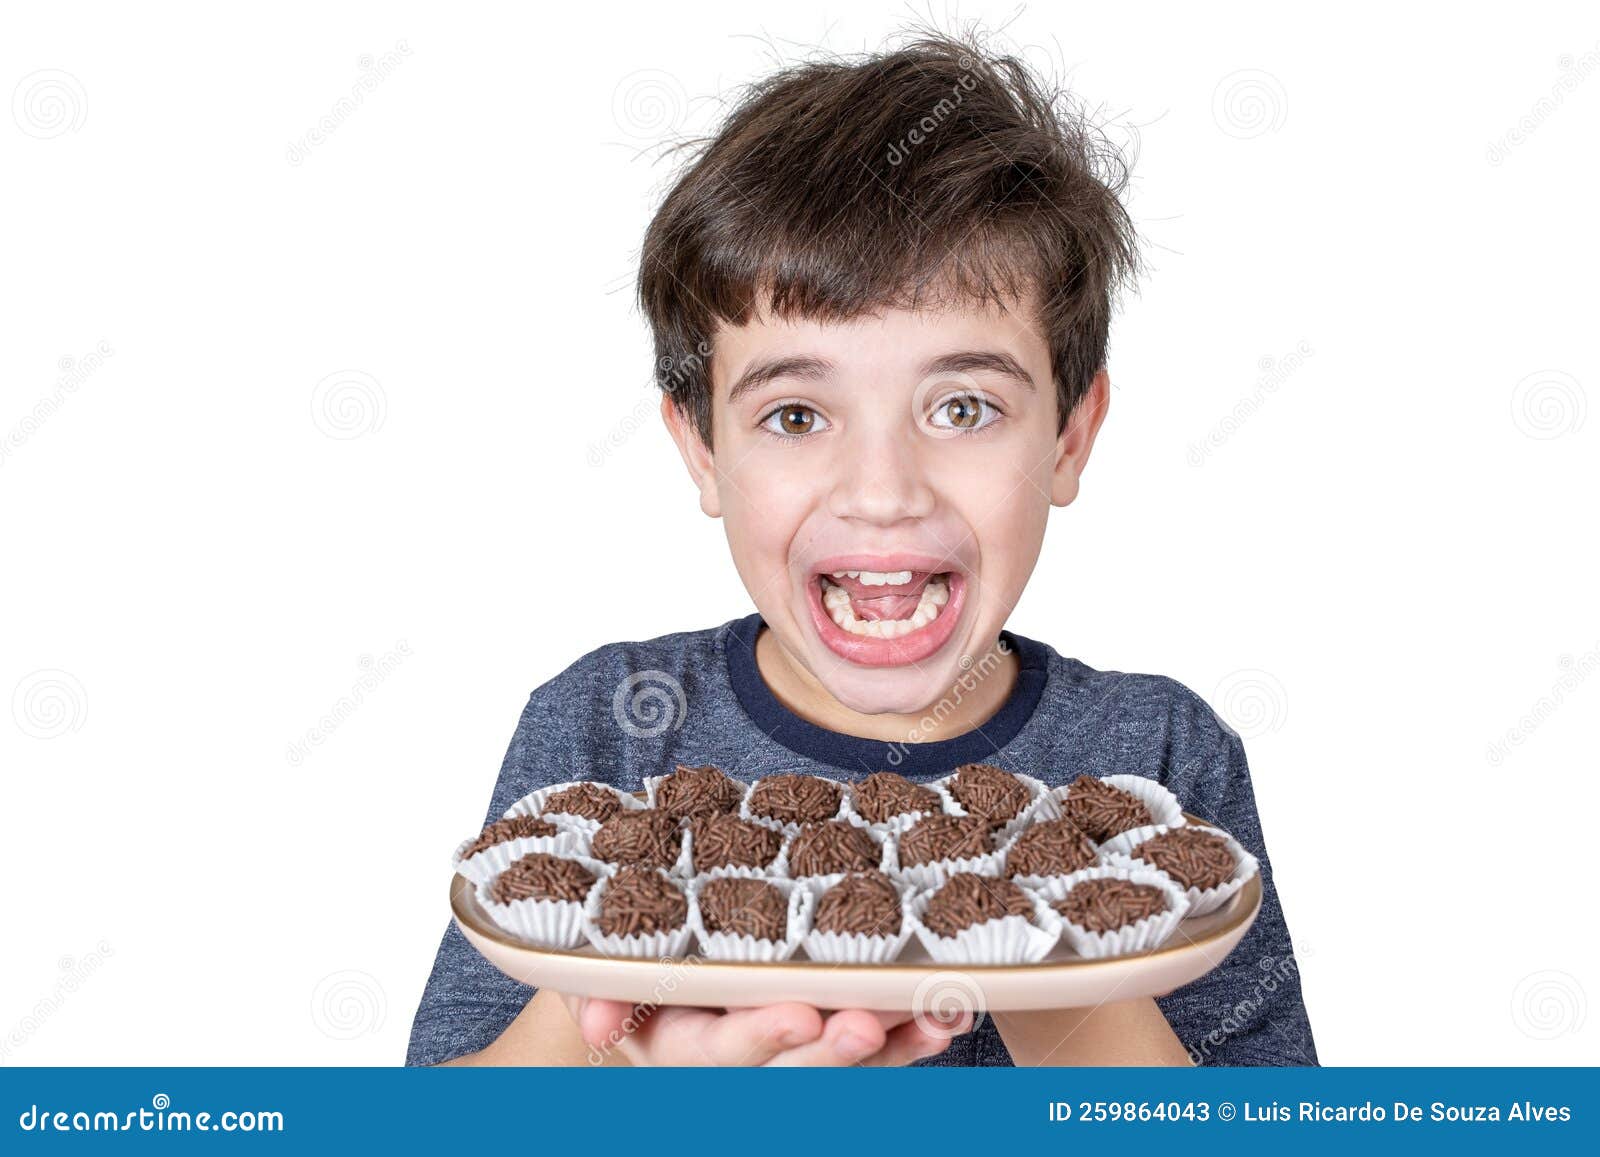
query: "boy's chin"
908, 690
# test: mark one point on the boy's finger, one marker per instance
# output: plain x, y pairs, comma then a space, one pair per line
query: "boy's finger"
911, 1042
848, 1038
753, 1036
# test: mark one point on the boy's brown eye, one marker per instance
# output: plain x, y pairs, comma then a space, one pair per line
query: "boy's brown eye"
794, 421
962, 413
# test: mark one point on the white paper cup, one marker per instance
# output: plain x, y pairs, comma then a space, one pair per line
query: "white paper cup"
885, 864
1038, 791
1125, 849
733, 946
777, 869
1140, 936
533, 804
1008, 940
657, 944
1162, 805
489, 863
895, 824
854, 947
931, 875
546, 923
784, 826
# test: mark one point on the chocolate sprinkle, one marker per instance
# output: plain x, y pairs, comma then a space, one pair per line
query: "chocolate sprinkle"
1105, 904
944, 838
698, 791
833, 846
968, 899
511, 828
886, 794
744, 907
1050, 848
863, 903
796, 799
640, 901
1194, 858
588, 800
728, 841
987, 791
539, 876
1102, 811
645, 837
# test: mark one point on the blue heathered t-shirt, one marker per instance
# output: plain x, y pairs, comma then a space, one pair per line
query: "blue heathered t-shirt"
1063, 719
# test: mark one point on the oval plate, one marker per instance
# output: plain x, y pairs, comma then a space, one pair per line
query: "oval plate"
1061, 980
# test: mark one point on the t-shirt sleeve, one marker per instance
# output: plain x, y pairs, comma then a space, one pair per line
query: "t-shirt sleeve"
468, 1002
1249, 1010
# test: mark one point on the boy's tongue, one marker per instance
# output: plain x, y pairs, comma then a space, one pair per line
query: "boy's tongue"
872, 603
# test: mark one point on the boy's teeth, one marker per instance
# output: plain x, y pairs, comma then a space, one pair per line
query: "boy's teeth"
836, 601
876, 578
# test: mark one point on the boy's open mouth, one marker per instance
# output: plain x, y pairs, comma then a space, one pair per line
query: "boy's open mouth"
885, 618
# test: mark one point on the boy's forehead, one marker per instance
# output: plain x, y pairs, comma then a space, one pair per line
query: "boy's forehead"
886, 339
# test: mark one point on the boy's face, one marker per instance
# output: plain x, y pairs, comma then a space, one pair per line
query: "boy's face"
885, 484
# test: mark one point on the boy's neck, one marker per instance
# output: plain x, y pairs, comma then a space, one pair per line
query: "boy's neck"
960, 710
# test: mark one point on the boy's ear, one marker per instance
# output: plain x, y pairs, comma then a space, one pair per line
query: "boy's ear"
696, 455
1077, 439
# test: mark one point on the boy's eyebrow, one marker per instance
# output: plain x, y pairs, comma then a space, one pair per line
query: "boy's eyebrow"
974, 361
758, 374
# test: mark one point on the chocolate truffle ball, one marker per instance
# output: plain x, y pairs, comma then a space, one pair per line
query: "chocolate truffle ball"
728, 841
967, 899
795, 799
645, 837
539, 876
698, 791
832, 846
640, 901
511, 828
1050, 848
1101, 811
987, 791
863, 903
1104, 905
589, 800
744, 907
1194, 858
886, 794
944, 838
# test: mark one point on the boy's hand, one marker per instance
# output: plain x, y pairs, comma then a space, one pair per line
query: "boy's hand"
777, 1034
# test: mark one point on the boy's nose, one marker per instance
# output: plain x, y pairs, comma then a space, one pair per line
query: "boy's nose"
881, 483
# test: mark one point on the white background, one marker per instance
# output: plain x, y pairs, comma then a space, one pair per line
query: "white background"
1375, 555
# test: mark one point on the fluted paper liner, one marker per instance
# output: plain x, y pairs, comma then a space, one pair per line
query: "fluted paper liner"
489, 863
731, 945
896, 824
1008, 940
1038, 792
783, 826
1140, 936
532, 804
778, 869
1125, 849
933, 874
657, 944
854, 947
1162, 805
886, 860
546, 923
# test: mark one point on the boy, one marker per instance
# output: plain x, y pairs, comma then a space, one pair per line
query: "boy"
880, 300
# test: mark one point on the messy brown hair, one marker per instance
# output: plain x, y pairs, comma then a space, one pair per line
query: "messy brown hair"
932, 172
